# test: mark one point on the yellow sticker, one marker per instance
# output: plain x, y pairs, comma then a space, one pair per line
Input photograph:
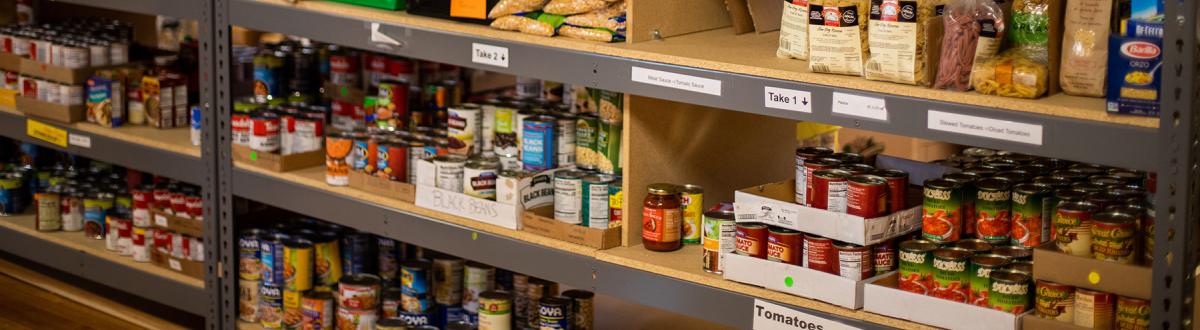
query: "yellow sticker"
468, 9
474, 236
1094, 278
46, 132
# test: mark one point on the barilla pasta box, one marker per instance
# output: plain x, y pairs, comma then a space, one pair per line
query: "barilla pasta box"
1135, 68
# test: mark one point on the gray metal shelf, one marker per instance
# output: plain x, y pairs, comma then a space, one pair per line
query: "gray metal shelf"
132, 155
188, 9
1063, 137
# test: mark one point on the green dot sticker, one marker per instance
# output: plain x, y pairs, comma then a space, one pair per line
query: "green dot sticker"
474, 236
253, 155
788, 281
345, 90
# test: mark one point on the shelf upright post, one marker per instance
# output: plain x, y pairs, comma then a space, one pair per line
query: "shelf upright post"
220, 279
1176, 206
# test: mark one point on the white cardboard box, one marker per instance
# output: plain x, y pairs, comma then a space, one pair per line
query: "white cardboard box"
507, 215
883, 297
772, 204
805, 282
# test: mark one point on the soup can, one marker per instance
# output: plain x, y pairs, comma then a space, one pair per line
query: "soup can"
897, 189
359, 291
829, 190
751, 239
248, 300
264, 131
338, 158
495, 311
270, 307
867, 196
535, 290
248, 249
811, 166
353, 319
803, 155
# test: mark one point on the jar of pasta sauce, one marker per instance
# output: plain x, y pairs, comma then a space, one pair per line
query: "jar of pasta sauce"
662, 218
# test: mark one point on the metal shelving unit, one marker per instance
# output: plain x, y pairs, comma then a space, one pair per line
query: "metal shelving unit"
186, 9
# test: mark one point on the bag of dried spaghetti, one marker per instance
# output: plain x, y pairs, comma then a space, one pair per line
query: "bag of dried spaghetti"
1023, 70
611, 18
972, 33
536, 23
837, 36
509, 7
793, 30
896, 36
572, 7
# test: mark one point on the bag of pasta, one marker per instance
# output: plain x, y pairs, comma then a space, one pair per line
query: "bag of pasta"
973, 31
572, 7
1018, 72
535, 23
611, 18
1085, 47
509, 7
896, 36
837, 36
590, 34
793, 30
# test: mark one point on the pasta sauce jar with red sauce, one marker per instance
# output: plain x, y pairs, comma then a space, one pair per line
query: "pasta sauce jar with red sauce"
662, 218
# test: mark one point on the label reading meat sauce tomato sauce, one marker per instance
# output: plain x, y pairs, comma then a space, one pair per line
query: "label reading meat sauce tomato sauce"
661, 225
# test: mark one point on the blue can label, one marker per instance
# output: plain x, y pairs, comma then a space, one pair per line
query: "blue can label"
446, 314
271, 254
537, 145
414, 319
356, 254
389, 263
358, 155
554, 317
414, 281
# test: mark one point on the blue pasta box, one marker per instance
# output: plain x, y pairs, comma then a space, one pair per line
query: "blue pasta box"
104, 100
1134, 69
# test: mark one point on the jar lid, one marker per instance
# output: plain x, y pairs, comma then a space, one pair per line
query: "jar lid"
661, 189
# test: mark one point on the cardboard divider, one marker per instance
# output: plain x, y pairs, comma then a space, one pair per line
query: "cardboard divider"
57, 73
167, 220
882, 296
10, 62
512, 197
796, 280
276, 162
57, 112
193, 269
1033, 322
666, 18
541, 221
403, 191
771, 204
1105, 276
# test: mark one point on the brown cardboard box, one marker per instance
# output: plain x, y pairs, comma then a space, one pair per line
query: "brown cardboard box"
1104, 276
56, 112
403, 191
1033, 322
10, 62
901, 146
56, 73
169, 221
739, 15
767, 14
541, 221
193, 269
277, 162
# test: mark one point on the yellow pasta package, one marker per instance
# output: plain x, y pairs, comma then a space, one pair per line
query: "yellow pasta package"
896, 36
837, 36
1019, 72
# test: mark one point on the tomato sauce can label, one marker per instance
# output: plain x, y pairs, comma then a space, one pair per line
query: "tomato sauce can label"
248, 300
1094, 309
941, 212
1113, 237
270, 307
819, 254
1073, 228
854, 261
692, 198
338, 159
803, 155
950, 277
884, 257
981, 268
784, 245
1132, 313
538, 151
993, 203
297, 268
264, 132
316, 311
1009, 291
811, 166
1055, 301
897, 189
465, 129
751, 239
1031, 214
829, 190
866, 196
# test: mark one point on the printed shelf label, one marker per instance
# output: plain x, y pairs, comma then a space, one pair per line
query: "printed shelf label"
82, 141
787, 99
770, 316
46, 132
160, 220
860, 106
985, 127
490, 55
676, 81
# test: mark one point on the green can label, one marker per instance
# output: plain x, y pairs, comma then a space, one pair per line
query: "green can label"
992, 220
981, 277
950, 279
1009, 296
1031, 213
608, 147
916, 270
941, 214
585, 142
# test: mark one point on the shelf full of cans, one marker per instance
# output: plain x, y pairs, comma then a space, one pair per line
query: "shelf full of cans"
104, 202
304, 273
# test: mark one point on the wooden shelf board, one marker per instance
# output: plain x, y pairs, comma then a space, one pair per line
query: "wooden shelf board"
177, 140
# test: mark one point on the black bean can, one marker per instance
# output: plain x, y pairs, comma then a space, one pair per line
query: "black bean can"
358, 255
583, 309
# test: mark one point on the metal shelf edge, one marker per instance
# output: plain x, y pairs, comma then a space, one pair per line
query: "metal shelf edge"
188, 9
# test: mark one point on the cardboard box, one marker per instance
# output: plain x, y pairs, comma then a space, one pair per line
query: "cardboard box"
541, 221
506, 211
167, 220
766, 14
193, 269
395, 189
772, 204
46, 110
1033, 322
276, 162
56, 73
796, 280
739, 15
1126, 280
10, 62
883, 297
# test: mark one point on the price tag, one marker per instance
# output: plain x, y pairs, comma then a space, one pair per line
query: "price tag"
769, 316
490, 55
985, 127
160, 220
82, 141
787, 99
46, 132
175, 264
860, 106
676, 81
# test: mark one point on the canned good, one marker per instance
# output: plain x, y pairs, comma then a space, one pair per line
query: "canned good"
391, 323
535, 290
884, 257
568, 192
803, 155
353, 319
479, 178
751, 239
976, 246
1031, 214
854, 261
554, 313
495, 311
1132, 313
564, 134
608, 147
1113, 236
1073, 228
897, 189
829, 190
867, 196
465, 129
810, 166
359, 291
364, 152
967, 194
692, 197
358, 256
1009, 291
594, 208
586, 129
950, 277
270, 307
316, 310
477, 278
414, 284
72, 207
327, 259
248, 301
264, 131
448, 280
941, 214
392, 160
140, 246
982, 266
819, 254
417, 320
249, 264
391, 301
784, 245
993, 204
388, 254
292, 309
538, 150
615, 201
720, 233
95, 206
1055, 301
582, 309
297, 269
449, 171
1094, 309
338, 158
48, 209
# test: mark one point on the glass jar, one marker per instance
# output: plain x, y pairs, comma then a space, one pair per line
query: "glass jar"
662, 218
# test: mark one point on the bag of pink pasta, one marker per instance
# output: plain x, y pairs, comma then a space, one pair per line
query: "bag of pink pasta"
973, 31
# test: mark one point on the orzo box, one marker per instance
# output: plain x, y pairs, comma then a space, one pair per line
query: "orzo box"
1134, 64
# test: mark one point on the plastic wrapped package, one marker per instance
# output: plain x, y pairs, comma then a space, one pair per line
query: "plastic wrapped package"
837, 36
1030, 23
592, 34
896, 36
973, 31
509, 7
530, 23
1085, 47
572, 7
612, 18
1018, 72
793, 30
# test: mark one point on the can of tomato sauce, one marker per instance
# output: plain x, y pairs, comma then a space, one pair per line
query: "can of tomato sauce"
1094, 309
1031, 213
951, 280
783, 245
264, 131
811, 166
982, 266
966, 181
1113, 236
803, 155
1073, 228
884, 257
1132, 313
942, 210
866, 196
854, 261
897, 189
829, 190
1055, 301
751, 239
819, 254
993, 203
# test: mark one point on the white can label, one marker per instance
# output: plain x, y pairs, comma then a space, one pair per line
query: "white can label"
567, 197
598, 206
836, 201
449, 176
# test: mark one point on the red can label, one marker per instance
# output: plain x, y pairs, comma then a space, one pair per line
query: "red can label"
819, 254
866, 198
142, 198
162, 199
162, 241
897, 188
343, 70
179, 203
854, 262
809, 168
264, 133
195, 207
884, 257
751, 241
240, 128
784, 247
